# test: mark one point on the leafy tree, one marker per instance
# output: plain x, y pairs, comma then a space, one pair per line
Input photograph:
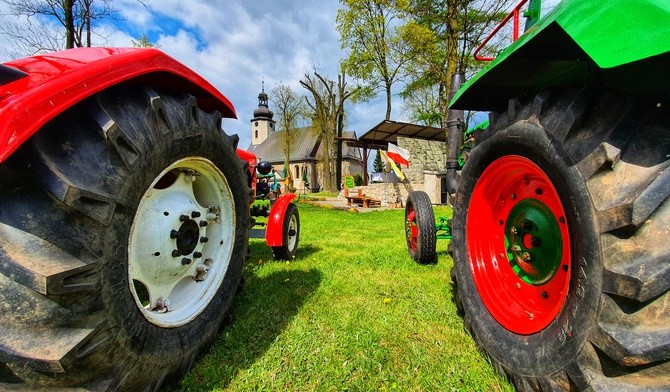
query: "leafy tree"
48, 25
440, 37
143, 42
368, 29
289, 107
378, 165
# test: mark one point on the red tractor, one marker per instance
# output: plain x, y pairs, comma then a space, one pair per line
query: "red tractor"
125, 219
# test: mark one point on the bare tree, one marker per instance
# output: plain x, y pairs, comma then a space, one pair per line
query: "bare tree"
289, 107
323, 120
40, 26
327, 112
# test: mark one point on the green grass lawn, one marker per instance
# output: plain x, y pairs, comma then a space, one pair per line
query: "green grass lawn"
352, 312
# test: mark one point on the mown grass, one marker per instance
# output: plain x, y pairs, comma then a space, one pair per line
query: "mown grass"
352, 312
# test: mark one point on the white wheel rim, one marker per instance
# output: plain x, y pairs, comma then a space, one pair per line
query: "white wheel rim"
292, 227
181, 242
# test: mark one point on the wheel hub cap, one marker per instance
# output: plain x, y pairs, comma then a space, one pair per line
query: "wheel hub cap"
181, 242
518, 244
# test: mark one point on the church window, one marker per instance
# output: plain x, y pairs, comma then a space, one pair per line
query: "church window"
256, 134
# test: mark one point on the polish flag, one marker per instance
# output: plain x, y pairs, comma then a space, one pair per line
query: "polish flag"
399, 155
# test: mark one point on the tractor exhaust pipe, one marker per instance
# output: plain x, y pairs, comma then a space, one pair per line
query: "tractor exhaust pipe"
454, 135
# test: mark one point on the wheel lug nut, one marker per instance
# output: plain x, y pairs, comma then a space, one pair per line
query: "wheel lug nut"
185, 261
174, 234
195, 214
183, 218
203, 223
204, 239
175, 253
197, 255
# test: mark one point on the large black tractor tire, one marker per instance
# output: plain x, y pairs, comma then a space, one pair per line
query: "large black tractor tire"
420, 232
290, 234
123, 229
561, 261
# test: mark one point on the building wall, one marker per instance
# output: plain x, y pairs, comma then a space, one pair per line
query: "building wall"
297, 183
349, 168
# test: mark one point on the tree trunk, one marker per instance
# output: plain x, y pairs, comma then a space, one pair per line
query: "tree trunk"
69, 23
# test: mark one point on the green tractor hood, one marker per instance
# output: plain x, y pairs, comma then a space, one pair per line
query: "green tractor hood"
622, 44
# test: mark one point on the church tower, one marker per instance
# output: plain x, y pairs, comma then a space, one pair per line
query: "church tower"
262, 123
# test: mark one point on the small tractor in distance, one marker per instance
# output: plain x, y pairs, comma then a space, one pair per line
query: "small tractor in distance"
124, 221
561, 212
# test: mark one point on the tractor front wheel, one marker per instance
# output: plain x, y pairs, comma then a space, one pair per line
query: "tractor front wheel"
557, 260
290, 234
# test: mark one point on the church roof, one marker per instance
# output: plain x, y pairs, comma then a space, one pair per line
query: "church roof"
306, 147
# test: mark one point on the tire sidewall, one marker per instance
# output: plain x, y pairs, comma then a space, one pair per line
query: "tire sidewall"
291, 210
425, 252
551, 349
166, 350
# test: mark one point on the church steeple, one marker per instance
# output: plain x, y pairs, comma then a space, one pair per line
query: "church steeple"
262, 123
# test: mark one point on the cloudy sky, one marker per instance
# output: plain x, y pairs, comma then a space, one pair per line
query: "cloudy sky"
235, 44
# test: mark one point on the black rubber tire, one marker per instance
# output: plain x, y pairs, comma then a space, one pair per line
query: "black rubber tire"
607, 155
288, 248
425, 249
69, 196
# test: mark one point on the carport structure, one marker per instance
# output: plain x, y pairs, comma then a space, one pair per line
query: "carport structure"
388, 131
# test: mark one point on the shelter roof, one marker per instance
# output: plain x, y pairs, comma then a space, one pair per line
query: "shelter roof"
389, 131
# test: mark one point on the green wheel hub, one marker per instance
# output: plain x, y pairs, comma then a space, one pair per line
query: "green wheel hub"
533, 241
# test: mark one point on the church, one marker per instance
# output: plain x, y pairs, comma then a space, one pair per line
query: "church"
306, 150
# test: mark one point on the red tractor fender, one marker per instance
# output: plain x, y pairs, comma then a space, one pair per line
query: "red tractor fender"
56, 81
274, 235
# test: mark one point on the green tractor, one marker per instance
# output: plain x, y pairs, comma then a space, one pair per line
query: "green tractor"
561, 268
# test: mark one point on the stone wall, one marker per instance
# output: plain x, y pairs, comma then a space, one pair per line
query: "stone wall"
390, 195
425, 156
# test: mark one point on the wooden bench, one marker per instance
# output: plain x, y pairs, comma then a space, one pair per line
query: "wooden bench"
360, 199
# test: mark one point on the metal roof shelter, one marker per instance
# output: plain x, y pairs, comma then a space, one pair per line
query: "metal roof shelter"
388, 131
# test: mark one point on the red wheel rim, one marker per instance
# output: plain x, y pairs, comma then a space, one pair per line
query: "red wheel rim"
411, 229
518, 242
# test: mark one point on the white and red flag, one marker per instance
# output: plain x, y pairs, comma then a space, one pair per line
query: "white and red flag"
398, 154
